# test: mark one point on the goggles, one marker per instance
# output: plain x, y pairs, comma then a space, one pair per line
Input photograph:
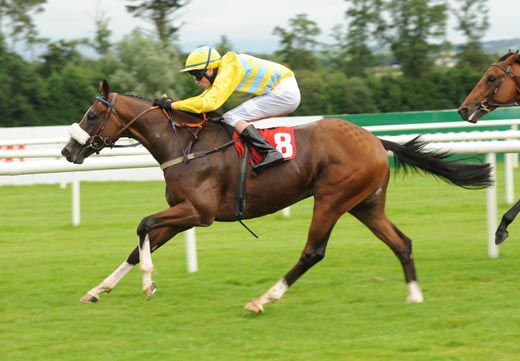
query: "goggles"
198, 74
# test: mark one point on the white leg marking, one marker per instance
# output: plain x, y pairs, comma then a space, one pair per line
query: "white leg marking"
272, 295
415, 294
145, 261
108, 283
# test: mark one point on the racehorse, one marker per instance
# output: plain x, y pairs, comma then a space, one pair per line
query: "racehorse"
342, 165
498, 87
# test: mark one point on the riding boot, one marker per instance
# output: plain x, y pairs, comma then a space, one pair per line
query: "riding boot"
271, 156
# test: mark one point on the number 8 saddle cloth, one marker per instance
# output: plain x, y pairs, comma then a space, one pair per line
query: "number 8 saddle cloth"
281, 138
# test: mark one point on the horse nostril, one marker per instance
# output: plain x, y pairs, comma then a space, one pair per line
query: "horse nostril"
65, 152
463, 112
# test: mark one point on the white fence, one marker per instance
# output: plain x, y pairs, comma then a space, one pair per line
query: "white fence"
43, 160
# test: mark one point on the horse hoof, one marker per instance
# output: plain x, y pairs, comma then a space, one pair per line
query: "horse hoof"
501, 237
89, 298
414, 299
254, 307
149, 292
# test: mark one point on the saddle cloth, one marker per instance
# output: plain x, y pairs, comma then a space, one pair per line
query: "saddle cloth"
281, 138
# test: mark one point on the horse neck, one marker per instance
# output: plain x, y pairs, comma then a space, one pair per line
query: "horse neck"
164, 142
152, 130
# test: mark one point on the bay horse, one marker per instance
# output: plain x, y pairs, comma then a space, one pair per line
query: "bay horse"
342, 165
498, 87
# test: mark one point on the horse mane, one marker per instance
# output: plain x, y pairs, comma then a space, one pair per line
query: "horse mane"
191, 117
138, 97
509, 53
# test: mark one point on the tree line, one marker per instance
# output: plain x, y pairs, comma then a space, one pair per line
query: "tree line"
346, 76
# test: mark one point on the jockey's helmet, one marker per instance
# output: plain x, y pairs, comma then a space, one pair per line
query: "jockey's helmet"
202, 58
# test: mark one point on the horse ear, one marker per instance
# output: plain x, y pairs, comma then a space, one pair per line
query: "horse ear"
104, 89
517, 60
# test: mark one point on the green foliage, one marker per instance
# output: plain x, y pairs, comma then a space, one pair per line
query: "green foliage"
101, 41
60, 53
161, 13
364, 20
473, 22
333, 93
70, 94
16, 22
298, 42
21, 92
141, 66
340, 78
312, 86
412, 25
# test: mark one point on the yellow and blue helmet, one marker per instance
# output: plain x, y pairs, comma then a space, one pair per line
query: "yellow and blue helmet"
202, 58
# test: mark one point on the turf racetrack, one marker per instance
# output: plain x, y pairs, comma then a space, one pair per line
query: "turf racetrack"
348, 307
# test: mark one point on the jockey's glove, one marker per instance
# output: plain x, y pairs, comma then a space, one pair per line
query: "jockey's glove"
164, 103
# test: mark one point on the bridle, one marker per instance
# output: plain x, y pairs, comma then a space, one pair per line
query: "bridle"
488, 101
98, 142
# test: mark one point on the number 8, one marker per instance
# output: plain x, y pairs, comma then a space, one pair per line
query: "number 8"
283, 144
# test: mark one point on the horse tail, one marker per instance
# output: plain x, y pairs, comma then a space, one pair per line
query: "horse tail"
413, 155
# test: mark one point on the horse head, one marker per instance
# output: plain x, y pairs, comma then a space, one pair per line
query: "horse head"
498, 87
100, 126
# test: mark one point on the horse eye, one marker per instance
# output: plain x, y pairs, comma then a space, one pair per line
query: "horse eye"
91, 117
491, 79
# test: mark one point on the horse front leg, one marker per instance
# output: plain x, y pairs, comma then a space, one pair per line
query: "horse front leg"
181, 217
159, 237
501, 233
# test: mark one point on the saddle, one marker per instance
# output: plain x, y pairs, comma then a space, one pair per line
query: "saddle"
281, 138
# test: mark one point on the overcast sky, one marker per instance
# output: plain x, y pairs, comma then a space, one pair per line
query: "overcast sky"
247, 24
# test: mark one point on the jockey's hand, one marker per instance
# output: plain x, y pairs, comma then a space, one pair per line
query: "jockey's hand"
164, 103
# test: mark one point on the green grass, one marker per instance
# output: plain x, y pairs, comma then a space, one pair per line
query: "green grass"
349, 307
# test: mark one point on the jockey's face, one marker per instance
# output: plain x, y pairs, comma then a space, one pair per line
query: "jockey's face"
204, 82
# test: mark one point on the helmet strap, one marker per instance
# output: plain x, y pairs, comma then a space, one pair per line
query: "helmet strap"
208, 59
211, 79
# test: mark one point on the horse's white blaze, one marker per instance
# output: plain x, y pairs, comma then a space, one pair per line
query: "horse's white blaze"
78, 134
145, 261
415, 294
111, 281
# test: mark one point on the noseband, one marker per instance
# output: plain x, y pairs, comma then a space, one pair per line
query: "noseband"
489, 100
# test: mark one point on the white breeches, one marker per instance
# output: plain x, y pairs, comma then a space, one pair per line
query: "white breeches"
283, 99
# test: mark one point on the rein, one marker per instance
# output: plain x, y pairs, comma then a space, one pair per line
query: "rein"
187, 157
97, 142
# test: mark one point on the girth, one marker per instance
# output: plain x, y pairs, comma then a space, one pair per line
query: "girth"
242, 167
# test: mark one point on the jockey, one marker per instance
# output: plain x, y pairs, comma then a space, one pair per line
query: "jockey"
269, 89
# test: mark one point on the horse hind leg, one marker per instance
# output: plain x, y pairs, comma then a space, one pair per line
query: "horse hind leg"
323, 220
158, 237
371, 213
